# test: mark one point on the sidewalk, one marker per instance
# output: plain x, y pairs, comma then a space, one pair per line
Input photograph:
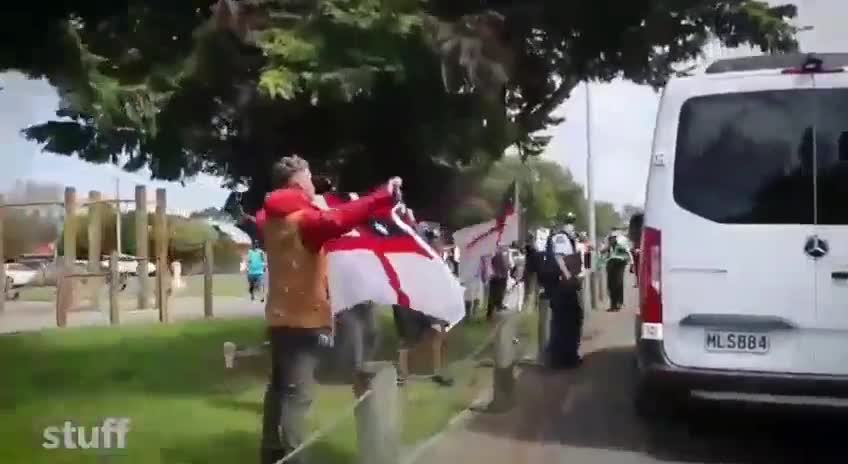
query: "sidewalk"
528, 434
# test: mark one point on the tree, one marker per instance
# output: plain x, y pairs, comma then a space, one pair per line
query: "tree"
546, 193
363, 88
607, 218
25, 231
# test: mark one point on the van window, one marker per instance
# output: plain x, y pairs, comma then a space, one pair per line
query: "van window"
832, 155
746, 158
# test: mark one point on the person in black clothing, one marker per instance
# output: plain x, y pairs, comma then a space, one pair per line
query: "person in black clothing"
497, 283
532, 268
561, 282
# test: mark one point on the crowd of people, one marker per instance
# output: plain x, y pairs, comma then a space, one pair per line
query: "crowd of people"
287, 258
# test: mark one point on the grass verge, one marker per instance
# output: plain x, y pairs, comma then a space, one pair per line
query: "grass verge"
184, 406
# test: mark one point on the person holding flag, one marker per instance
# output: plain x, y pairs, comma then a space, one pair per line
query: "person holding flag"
298, 310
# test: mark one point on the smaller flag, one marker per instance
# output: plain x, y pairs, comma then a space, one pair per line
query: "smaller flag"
478, 243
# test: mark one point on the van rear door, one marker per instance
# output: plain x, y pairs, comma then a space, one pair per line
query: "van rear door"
827, 351
738, 291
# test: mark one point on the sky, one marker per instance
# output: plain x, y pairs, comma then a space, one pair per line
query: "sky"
622, 121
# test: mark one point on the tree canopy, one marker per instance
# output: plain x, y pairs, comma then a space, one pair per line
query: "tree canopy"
431, 90
547, 192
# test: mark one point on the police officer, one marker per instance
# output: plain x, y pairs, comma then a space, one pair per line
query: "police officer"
562, 283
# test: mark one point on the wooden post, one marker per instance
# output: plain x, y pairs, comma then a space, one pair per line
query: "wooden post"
378, 416
505, 359
2, 256
437, 347
208, 264
114, 285
531, 291
141, 246
403, 363
94, 239
64, 285
543, 328
161, 241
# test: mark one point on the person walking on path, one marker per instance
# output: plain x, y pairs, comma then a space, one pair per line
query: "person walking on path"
256, 267
562, 268
618, 258
298, 310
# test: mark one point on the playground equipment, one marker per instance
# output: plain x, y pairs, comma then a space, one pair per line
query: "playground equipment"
68, 272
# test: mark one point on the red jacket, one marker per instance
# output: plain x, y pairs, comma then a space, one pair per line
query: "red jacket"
294, 231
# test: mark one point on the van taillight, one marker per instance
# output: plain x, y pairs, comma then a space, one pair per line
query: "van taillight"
650, 277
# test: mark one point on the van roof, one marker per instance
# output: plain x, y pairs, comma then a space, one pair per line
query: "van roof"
774, 62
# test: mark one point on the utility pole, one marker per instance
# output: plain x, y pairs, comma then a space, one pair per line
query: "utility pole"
593, 285
590, 195
118, 215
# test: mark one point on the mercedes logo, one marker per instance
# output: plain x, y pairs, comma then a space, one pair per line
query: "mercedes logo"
816, 247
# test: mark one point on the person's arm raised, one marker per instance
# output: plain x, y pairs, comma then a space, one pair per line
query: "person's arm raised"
317, 226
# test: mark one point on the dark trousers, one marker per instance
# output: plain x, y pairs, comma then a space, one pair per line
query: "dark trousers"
254, 284
615, 282
294, 356
566, 326
358, 333
636, 257
497, 291
411, 325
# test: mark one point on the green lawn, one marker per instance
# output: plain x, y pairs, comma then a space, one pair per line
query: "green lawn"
184, 406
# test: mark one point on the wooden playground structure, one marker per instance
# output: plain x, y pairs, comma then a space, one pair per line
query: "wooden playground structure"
69, 276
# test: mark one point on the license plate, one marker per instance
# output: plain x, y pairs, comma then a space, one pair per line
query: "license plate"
737, 342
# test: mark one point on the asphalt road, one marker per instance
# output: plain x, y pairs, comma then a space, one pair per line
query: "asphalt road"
586, 416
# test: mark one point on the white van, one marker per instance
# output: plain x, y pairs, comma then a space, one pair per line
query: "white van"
744, 269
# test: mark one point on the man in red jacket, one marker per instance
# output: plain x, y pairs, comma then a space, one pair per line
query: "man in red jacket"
298, 308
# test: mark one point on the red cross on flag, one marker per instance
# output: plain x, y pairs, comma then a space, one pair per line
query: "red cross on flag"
387, 262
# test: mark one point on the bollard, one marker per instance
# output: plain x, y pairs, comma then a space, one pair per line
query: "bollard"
503, 398
114, 286
377, 416
229, 355
585, 290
